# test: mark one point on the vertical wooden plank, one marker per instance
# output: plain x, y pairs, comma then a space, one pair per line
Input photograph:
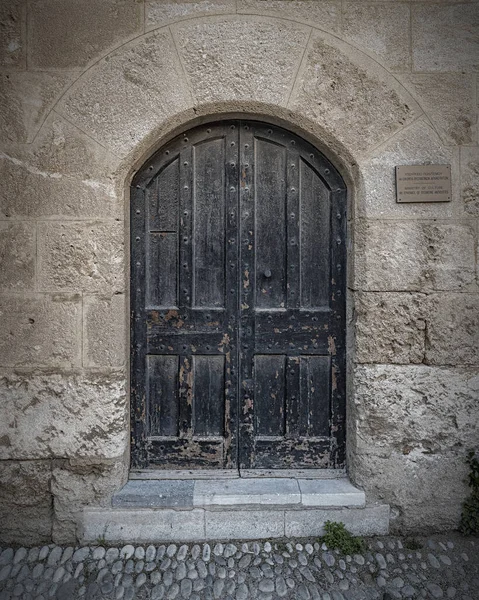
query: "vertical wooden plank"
232, 276
208, 395
162, 268
185, 396
139, 455
209, 223
269, 394
163, 198
270, 224
292, 396
337, 326
293, 232
247, 275
186, 226
315, 239
163, 395
315, 397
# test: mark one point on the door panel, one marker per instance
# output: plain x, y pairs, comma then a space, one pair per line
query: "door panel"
238, 284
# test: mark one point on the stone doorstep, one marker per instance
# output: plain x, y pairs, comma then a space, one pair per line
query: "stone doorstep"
221, 493
155, 525
231, 509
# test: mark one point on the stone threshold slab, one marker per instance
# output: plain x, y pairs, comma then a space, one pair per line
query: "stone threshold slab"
122, 525
240, 492
232, 474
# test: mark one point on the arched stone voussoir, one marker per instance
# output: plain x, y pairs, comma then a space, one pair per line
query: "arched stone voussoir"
350, 95
241, 57
126, 94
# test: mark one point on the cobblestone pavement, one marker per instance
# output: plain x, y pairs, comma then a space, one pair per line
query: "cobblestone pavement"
389, 568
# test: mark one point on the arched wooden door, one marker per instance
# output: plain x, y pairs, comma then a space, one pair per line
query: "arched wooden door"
238, 303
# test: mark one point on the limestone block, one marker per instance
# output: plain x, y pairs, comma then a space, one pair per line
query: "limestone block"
350, 95
470, 180
381, 29
390, 327
70, 33
324, 15
25, 100
143, 526
79, 484
241, 58
12, 33
230, 524
414, 410
159, 13
453, 329
40, 330
52, 415
63, 173
414, 256
104, 332
419, 144
449, 101
127, 94
371, 520
425, 491
25, 502
17, 256
445, 38
83, 256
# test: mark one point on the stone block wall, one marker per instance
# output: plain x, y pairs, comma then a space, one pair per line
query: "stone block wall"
90, 88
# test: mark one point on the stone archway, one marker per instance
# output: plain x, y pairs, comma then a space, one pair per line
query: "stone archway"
138, 97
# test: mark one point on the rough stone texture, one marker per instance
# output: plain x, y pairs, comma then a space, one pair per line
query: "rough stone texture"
360, 521
97, 26
25, 501
414, 425
115, 525
159, 13
416, 409
228, 525
63, 174
62, 416
446, 38
381, 29
416, 145
453, 329
449, 101
414, 256
147, 74
104, 333
25, 100
324, 15
425, 493
241, 58
12, 33
470, 180
17, 256
327, 91
80, 256
76, 485
390, 327
40, 331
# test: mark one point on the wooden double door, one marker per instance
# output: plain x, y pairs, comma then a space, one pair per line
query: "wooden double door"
238, 303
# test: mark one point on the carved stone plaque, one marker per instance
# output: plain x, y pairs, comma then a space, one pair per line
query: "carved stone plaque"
423, 183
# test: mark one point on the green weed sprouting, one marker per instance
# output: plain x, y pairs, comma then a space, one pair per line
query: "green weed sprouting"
470, 509
337, 537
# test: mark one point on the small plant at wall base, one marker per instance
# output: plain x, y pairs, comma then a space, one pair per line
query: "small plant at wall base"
337, 537
470, 510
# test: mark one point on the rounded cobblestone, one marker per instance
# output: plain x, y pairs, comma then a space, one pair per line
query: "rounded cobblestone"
248, 570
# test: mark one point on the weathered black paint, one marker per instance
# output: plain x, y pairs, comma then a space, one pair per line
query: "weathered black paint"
238, 265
